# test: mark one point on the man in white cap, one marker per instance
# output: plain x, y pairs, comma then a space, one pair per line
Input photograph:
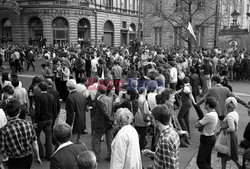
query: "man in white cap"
75, 107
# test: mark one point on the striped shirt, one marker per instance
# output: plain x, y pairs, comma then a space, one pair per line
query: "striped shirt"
167, 150
16, 138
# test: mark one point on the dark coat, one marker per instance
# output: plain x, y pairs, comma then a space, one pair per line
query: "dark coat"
44, 107
66, 157
103, 119
76, 105
56, 96
195, 82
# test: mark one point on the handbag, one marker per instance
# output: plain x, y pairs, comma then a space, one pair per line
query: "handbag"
223, 143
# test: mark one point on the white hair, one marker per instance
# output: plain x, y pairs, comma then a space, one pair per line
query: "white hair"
124, 116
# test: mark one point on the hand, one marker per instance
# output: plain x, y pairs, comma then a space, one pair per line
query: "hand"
37, 161
182, 132
148, 153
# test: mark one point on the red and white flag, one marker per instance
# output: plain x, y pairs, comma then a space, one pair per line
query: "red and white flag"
191, 34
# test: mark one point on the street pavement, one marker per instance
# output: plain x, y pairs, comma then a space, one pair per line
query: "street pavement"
187, 155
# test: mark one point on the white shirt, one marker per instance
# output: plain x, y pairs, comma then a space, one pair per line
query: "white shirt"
3, 119
92, 90
209, 121
94, 63
173, 75
187, 89
152, 100
125, 149
232, 120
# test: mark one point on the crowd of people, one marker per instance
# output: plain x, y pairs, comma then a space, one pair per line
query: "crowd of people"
139, 100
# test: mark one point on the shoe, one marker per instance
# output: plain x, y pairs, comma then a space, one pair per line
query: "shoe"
107, 159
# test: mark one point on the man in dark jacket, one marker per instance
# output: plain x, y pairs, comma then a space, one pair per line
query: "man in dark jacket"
66, 155
103, 123
75, 107
44, 108
31, 59
56, 96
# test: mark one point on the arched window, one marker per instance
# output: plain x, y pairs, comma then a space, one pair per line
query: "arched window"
36, 31
83, 28
60, 31
6, 31
36, 27
109, 33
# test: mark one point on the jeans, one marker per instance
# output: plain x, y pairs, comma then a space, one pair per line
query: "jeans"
205, 150
183, 116
20, 163
96, 142
46, 127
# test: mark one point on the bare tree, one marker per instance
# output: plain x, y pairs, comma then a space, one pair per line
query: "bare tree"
11, 5
179, 13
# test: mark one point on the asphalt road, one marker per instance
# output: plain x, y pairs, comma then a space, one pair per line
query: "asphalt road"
186, 154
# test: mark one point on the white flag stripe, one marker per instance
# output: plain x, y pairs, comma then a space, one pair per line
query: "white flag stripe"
191, 31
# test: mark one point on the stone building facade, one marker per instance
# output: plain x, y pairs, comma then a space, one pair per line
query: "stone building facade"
158, 31
111, 22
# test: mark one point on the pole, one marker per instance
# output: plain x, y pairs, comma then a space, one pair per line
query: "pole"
216, 22
139, 22
95, 25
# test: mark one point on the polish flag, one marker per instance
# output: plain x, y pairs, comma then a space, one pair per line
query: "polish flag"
191, 34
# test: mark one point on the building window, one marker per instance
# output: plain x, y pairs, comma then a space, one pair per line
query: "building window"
108, 38
132, 33
124, 24
36, 30
60, 31
6, 31
83, 28
177, 36
158, 36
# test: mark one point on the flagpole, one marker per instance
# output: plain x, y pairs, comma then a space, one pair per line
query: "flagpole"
139, 22
216, 22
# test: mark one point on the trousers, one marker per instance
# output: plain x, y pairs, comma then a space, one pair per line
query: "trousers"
205, 150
